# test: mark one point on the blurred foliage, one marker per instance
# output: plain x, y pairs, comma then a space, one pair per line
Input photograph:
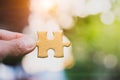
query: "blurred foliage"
90, 37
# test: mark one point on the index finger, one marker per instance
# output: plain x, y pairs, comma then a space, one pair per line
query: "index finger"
8, 35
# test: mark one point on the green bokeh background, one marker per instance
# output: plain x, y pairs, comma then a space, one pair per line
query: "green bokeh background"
92, 41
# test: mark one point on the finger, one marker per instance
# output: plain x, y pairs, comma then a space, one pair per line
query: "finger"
7, 35
17, 47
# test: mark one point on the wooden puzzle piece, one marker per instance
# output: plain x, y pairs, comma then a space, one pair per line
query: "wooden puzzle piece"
44, 44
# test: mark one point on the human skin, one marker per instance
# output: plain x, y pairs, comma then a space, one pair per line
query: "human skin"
15, 44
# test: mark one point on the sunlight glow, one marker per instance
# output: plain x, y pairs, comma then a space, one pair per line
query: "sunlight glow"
55, 15
41, 5
48, 4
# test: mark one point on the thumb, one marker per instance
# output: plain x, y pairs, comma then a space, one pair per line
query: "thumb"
17, 47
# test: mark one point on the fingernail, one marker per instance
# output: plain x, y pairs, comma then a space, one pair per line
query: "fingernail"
27, 43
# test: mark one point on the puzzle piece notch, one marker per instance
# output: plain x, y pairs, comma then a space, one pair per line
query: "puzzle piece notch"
44, 44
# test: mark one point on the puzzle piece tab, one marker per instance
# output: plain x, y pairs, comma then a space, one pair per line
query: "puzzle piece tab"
44, 44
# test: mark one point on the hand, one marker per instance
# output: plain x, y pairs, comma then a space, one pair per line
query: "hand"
15, 44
